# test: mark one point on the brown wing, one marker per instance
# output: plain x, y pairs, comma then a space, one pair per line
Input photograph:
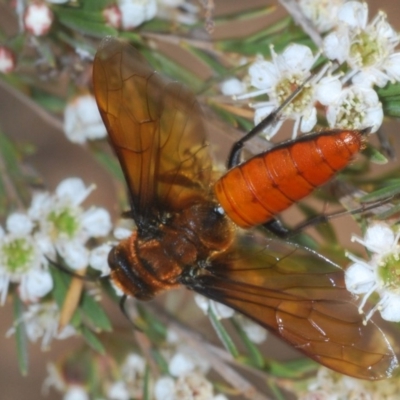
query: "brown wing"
156, 128
302, 297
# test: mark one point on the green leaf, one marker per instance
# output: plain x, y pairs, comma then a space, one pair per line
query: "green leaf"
173, 70
92, 340
256, 357
381, 194
390, 90
154, 329
292, 369
77, 44
95, 313
390, 99
96, 5
245, 15
86, 22
12, 177
20, 335
374, 155
160, 360
157, 25
205, 58
272, 30
110, 163
49, 102
146, 384
223, 334
275, 389
61, 283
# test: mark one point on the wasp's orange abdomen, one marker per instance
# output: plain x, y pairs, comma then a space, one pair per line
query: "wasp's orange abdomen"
254, 192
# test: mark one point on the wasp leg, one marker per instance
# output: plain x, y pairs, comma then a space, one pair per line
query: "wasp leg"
234, 155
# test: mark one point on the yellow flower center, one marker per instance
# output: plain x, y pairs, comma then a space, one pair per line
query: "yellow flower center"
286, 87
17, 255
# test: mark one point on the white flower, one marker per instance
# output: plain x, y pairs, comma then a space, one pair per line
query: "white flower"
135, 12
124, 228
220, 310
164, 389
82, 120
190, 386
57, 1
7, 60
112, 15
66, 225
193, 386
368, 49
98, 259
172, 3
323, 13
357, 107
35, 284
38, 18
118, 391
279, 79
133, 367
330, 385
181, 364
41, 321
379, 274
22, 261
256, 333
76, 392
232, 87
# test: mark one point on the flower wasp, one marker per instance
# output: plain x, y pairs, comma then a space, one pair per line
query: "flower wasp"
183, 237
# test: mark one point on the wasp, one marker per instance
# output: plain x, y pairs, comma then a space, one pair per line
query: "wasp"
199, 232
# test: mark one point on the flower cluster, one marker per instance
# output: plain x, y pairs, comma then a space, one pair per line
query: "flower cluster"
54, 226
187, 371
129, 14
7, 60
41, 321
82, 120
380, 273
185, 379
122, 381
38, 18
364, 51
330, 385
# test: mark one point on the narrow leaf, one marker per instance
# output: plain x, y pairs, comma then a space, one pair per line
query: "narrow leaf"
381, 194
223, 334
92, 340
95, 313
20, 335
254, 353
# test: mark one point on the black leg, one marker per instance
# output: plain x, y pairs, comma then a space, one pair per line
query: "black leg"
234, 156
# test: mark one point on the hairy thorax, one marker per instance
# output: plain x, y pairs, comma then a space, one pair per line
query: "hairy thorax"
143, 265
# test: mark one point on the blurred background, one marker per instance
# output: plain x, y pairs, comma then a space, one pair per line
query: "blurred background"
56, 158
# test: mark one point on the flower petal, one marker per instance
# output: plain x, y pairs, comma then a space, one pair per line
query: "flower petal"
263, 74
359, 278
96, 221
99, 259
354, 13
19, 224
390, 307
73, 189
75, 254
35, 284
